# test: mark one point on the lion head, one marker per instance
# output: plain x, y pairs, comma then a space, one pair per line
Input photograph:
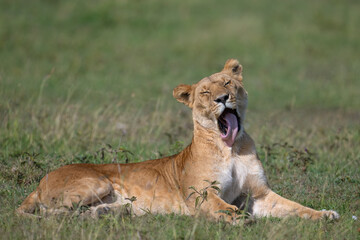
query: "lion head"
218, 102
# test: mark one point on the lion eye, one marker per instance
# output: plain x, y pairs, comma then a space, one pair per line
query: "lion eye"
205, 92
227, 83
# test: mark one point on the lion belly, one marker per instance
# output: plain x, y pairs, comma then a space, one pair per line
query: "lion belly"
150, 197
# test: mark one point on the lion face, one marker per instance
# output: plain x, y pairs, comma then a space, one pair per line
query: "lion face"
218, 102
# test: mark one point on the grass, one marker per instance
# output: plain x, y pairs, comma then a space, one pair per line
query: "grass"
82, 81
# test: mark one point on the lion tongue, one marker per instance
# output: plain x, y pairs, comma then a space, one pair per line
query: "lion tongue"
232, 129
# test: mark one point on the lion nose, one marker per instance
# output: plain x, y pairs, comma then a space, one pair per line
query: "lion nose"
222, 98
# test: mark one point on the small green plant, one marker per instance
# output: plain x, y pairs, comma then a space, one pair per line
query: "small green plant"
127, 208
202, 194
132, 199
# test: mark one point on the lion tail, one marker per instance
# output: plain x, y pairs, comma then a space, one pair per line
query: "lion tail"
29, 205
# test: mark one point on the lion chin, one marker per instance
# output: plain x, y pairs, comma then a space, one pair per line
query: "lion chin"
221, 160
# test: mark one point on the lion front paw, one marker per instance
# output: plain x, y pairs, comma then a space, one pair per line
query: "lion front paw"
330, 214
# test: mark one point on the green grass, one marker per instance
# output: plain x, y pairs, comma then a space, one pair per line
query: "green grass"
80, 79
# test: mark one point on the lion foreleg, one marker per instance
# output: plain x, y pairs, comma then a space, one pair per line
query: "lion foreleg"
216, 208
274, 205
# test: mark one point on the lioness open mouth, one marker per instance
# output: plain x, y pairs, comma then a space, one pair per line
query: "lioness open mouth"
229, 126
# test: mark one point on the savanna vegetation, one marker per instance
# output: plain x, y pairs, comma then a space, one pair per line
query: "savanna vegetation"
91, 82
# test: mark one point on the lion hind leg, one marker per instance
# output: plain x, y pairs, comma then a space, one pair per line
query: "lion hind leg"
51, 200
86, 193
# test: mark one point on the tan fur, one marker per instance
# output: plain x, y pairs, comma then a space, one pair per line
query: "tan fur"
163, 185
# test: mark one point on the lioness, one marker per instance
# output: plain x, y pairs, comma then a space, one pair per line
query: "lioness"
220, 152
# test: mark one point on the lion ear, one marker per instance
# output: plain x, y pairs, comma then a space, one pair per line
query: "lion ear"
233, 68
184, 94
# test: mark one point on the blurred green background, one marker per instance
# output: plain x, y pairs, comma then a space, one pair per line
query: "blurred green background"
302, 54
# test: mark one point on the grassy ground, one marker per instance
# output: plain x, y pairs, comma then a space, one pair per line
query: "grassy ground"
81, 79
